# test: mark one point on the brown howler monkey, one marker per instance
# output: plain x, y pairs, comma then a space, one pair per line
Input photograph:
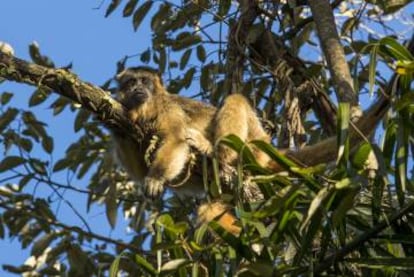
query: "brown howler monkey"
181, 123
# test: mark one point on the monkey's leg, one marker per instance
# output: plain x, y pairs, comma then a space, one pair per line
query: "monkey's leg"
238, 117
170, 159
231, 118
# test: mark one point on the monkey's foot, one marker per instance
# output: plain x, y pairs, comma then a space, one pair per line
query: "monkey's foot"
153, 187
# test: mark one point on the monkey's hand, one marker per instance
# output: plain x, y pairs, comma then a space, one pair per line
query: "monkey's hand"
197, 140
153, 187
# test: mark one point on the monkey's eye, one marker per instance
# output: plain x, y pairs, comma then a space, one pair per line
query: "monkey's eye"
145, 81
127, 85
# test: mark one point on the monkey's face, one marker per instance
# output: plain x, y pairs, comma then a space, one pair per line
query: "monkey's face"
135, 88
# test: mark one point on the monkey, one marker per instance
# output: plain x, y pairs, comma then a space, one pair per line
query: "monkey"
166, 116
180, 123
183, 123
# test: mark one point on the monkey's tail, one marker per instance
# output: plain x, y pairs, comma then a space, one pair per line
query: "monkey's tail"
326, 150
220, 212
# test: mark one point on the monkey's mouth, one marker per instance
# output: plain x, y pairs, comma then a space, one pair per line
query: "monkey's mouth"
134, 99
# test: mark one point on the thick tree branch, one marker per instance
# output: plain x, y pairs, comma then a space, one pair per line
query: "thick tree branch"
67, 84
333, 51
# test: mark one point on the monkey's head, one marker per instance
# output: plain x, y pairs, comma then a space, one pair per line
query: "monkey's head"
136, 85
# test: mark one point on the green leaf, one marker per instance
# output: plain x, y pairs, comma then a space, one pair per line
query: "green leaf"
361, 155
201, 53
395, 49
47, 144
188, 77
160, 20
288, 164
165, 220
6, 97
274, 154
25, 180
40, 245
38, 166
145, 56
113, 270
86, 165
372, 68
343, 183
114, 4
347, 203
309, 237
235, 143
162, 61
277, 204
342, 138
401, 156
24, 143
62, 164
80, 119
315, 205
184, 59
111, 207
145, 265
405, 101
174, 265
129, 8
140, 13
7, 117
38, 58
11, 162
35, 126
349, 24
1, 228
224, 7
185, 40
38, 96
59, 105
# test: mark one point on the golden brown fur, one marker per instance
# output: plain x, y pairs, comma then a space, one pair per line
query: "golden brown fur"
162, 115
182, 123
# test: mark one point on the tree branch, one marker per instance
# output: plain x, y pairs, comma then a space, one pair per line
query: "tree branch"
298, 27
67, 84
358, 241
236, 45
32, 214
333, 51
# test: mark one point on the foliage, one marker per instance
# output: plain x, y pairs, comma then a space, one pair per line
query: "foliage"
349, 217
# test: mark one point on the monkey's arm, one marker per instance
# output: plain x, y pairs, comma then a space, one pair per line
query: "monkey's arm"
197, 140
170, 160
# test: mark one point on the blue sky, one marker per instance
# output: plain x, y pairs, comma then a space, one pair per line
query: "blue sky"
68, 32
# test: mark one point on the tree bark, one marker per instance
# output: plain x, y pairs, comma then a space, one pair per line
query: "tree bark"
333, 51
67, 84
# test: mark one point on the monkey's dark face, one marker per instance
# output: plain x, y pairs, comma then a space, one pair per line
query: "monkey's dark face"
135, 88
